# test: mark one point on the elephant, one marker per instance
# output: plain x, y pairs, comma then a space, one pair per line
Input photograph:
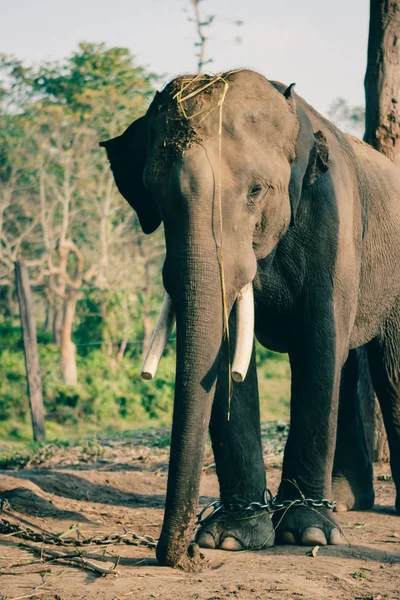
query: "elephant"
277, 226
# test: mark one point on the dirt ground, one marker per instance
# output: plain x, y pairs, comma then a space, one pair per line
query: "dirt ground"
119, 486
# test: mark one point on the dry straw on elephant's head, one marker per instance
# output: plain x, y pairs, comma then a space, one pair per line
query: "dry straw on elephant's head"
200, 84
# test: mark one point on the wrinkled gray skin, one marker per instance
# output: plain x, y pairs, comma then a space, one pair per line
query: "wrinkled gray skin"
312, 218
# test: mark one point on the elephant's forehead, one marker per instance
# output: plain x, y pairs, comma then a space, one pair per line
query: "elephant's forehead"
249, 106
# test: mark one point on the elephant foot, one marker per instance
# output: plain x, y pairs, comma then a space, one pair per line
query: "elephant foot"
243, 530
352, 493
307, 526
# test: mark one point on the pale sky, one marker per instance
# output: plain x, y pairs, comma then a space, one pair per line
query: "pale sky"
319, 44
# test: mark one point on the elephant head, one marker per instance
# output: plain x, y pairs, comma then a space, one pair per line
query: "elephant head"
223, 162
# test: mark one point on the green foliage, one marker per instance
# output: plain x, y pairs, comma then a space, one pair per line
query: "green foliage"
89, 323
12, 386
109, 395
274, 384
32, 454
96, 81
107, 392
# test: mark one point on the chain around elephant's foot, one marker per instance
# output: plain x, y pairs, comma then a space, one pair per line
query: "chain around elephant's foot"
306, 526
239, 530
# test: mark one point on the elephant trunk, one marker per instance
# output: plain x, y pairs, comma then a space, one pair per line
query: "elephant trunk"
199, 328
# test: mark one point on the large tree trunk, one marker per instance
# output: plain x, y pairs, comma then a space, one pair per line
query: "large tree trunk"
382, 79
382, 131
31, 351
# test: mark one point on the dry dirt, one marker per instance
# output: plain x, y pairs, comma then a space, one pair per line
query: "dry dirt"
121, 486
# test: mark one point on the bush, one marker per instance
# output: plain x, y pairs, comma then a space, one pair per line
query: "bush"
13, 391
111, 396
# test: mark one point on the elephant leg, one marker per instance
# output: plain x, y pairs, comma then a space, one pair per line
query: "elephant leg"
352, 477
316, 356
239, 461
384, 361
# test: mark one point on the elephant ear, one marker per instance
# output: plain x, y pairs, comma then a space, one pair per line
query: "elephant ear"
311, 155
127, 154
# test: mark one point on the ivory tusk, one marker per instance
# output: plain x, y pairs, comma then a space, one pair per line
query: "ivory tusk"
160, 339
244, 333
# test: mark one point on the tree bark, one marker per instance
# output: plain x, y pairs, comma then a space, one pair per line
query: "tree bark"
68, 359
382, 79
382, 131
68, 290
50, 313
31, 351
57, 325
48, 325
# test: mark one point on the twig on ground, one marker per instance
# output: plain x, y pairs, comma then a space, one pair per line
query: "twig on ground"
69, 530
23, 564
34, 592
73, 557
42, 569
29, 595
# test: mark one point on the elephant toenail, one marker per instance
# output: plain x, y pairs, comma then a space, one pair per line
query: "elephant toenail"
287, 537
336, 537
194, 551
341, 507
230, 543
206, 540
313, 537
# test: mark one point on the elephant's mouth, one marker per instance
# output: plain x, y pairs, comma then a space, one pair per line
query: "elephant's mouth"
244, 335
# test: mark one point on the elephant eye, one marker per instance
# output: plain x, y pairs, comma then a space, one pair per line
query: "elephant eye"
255, 190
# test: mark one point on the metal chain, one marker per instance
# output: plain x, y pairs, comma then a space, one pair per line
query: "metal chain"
270, 504
133, 539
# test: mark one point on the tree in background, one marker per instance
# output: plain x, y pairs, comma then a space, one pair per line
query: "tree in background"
202, 23
382, 131
382, 79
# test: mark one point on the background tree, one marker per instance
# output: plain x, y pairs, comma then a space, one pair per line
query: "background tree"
203, 23
382, 79
382, 131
